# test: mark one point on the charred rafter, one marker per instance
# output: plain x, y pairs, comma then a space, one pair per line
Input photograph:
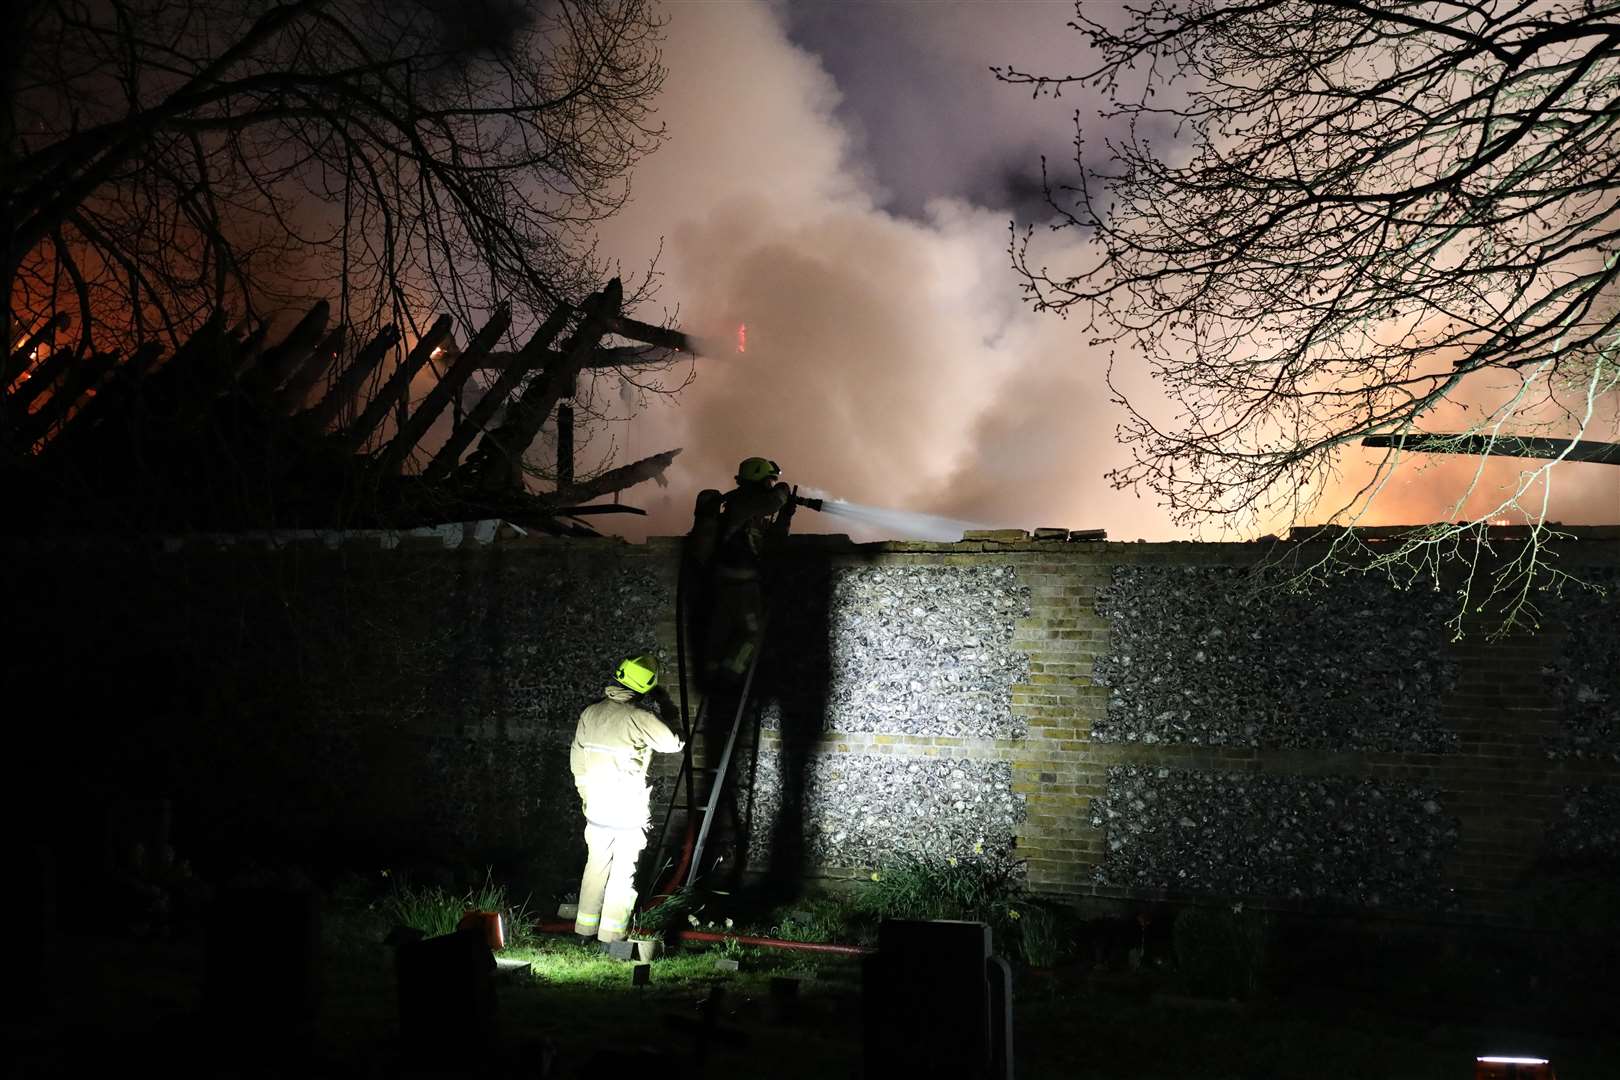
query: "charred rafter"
219, 435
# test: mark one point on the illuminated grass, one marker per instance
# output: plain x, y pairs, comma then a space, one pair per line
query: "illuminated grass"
436, 911
566, 963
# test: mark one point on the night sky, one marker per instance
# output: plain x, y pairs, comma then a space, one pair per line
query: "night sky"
840, 177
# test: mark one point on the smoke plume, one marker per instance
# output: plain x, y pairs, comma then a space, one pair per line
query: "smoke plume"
890, 360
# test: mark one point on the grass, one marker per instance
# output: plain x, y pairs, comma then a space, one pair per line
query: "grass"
1067, 1024
128, 1002
1043, 939
434, 910
128, 999
976, 886
982, 886
669, 913
820, 920
565, 963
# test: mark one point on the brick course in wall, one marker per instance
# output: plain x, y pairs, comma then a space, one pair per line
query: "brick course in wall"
1500, 782
1495, 780
1515, 796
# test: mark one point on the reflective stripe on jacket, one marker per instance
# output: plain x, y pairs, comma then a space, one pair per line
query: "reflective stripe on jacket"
612, 748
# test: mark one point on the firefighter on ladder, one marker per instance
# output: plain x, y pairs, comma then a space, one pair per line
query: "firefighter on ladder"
613, 746
729, 535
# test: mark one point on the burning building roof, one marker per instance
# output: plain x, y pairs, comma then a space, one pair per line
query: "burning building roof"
229, 432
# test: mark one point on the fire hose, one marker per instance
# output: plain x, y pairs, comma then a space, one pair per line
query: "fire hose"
689, 840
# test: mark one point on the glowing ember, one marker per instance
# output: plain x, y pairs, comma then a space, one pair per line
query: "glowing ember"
742, 337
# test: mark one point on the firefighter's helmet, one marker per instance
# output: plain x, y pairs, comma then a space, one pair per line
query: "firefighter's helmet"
758, 470
639, 673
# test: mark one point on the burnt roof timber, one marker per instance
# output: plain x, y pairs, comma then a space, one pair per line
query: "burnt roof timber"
494, 463
599, 359
321, 359
201, 439
1606, 453
347, 387
275, 364
512, 371
354, 436
415, 425
17, 362
45, 373
80, 377
636, 330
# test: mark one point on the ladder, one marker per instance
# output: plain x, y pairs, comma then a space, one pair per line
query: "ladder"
686, 787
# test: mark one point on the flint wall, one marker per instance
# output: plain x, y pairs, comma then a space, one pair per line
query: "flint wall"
1131, 720
1169, 724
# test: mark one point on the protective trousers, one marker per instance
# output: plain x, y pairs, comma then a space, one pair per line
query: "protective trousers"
607, 892
738, 613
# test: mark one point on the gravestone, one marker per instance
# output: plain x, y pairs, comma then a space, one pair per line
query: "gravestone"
937, 1003
446, 992
28, 906
263, 968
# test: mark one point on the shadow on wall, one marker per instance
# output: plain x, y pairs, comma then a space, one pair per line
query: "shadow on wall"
765, 839
797, 666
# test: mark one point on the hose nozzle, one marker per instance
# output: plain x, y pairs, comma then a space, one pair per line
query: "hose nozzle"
813, 504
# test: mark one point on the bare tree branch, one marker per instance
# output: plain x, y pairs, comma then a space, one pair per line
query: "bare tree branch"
1370, 214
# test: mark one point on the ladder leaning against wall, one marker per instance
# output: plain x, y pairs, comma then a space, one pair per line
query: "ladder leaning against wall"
687, 795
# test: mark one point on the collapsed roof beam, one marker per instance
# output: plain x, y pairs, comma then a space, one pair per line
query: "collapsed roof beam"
344, 392
517, 365
290, 398
417, 423
75, 381
114, 394
396, 390
600, 359
275, 364
1606, 453
18, 361
164, 392
214, 377
648, 468
636, 330
44, 374
496, 463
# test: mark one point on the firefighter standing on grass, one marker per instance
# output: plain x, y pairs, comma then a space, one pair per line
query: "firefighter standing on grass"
613, 746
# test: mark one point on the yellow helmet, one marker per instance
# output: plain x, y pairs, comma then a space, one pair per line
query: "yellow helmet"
756, 470
639, 673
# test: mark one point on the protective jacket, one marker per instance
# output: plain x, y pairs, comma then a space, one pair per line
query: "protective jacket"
750, 513
613, 746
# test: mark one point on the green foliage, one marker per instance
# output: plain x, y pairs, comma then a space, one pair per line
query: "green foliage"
818, 921
436, 911
1042, 936
563, 965
919, 887
670, 911
1220, 951
981, 886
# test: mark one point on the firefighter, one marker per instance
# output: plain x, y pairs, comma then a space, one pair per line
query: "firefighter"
730, 533
613, 746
